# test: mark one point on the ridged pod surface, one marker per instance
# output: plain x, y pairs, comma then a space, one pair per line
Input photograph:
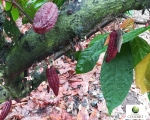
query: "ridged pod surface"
53, 79
45, 18
112, 48
5, 109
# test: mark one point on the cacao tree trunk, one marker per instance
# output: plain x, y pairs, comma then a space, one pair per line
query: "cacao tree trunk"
32, 48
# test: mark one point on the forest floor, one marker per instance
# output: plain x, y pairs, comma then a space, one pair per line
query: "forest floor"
80, 96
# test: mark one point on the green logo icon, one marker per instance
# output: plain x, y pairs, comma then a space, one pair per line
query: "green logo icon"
135, 109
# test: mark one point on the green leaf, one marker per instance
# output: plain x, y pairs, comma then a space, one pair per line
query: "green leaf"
36, 3
140, 48
59, 2
15, 13
148, 95
10, 27
30, 7
131, 35
76, 55
31, 2
89, 57
73, 55
116, 77
8, 6
97, 38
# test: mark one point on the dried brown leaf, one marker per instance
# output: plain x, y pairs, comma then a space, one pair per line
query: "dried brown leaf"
94, 115
127, 23
107, 40
83, 114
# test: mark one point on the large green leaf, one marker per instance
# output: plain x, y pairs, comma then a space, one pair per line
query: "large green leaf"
76, 55
89, 57
131, 35
116, 77
140, 48
8, 6
97, 38
13, 9
10, 27
15, 13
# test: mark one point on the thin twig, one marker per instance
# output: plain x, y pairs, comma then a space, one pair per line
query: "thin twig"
102, 25
62, 52
13, 2
100, 29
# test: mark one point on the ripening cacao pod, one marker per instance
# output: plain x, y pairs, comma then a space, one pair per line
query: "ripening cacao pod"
119, 39
53, 79
45, 18
5, 109
112, 48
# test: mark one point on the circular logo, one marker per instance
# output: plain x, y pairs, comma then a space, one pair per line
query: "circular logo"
135, 109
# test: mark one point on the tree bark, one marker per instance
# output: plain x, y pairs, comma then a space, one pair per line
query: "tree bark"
76, 22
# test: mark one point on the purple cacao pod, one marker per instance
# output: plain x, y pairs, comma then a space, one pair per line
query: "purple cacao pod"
112, 48
5, 110
53, 79
45, 18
